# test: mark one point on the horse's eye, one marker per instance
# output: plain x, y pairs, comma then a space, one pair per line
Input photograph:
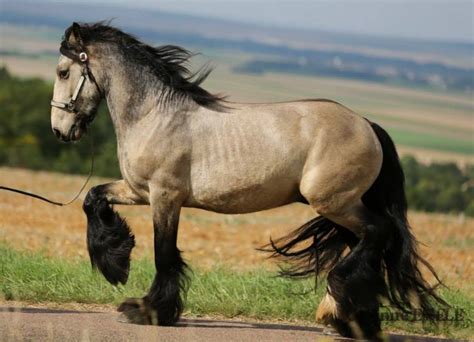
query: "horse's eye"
64, 74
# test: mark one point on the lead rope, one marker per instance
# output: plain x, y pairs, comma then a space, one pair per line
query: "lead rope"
60, 204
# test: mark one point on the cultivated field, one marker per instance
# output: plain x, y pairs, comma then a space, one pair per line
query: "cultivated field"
432, 126
207, 239
429, 124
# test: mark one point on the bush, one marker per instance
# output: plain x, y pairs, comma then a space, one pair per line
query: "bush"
440, 187
26, 139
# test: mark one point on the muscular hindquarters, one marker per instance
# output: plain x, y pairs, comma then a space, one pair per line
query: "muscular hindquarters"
343, 163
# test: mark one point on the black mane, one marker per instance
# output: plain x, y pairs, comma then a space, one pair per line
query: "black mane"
167, 62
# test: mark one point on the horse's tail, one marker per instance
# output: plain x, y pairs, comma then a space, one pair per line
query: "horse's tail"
319, 244
386, 198
323, 243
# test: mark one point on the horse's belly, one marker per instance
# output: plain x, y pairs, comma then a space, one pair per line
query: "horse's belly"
240, 164
244, 194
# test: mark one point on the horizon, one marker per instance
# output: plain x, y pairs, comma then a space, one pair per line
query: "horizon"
442, 21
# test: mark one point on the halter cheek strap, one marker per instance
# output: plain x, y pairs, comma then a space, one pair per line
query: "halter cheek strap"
70, 105
82, 58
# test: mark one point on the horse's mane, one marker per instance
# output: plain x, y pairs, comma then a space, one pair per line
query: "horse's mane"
167, 62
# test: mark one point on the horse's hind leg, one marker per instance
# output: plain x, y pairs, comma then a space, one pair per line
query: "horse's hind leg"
356, 283
351, 304
109, 240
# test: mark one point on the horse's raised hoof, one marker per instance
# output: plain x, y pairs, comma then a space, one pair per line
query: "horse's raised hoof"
137, 311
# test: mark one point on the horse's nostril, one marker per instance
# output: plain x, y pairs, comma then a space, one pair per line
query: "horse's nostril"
57, 133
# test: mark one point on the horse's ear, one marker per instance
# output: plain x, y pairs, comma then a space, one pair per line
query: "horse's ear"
74, 37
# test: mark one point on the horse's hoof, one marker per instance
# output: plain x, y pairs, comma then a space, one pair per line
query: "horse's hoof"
135, 317
137, 311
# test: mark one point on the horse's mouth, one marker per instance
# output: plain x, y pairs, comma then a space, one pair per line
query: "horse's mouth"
75, 133
79, 128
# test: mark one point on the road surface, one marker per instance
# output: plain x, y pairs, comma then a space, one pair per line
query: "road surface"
45, 324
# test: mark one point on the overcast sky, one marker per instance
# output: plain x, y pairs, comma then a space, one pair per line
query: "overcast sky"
423, 19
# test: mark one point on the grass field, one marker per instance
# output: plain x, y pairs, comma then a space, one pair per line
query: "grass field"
256, 294
44, 256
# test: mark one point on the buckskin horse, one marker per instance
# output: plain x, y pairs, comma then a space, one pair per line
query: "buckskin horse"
180, 146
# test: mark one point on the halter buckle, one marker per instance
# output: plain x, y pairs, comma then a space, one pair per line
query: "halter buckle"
71, 105
83, 57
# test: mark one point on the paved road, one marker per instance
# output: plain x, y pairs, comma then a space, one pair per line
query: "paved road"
43, 324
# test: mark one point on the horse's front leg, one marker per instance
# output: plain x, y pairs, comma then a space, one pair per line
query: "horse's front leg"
163, 304
109, 239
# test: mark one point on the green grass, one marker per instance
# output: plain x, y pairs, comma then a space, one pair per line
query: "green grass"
460, 243
431, 141
257, 294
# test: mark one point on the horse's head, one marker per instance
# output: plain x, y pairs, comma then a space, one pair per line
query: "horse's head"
76, 94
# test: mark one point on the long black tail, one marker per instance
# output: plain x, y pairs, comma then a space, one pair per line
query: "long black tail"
314, 248
318, 245
401, 259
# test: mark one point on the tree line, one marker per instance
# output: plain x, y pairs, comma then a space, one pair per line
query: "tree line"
26, 141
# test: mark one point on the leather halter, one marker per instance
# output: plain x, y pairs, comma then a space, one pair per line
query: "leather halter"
86, 73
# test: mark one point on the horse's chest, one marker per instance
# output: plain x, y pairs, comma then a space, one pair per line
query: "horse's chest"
134, 178
146, 165
136, 169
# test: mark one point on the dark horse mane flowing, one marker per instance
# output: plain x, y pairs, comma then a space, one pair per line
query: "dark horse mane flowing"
167, 62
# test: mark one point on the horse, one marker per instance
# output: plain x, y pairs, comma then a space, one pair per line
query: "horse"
180, 146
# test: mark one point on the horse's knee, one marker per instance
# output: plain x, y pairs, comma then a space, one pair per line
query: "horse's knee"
97, 208
95, 195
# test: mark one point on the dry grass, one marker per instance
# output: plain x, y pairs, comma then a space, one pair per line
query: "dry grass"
427, 156
207, 239
30, 67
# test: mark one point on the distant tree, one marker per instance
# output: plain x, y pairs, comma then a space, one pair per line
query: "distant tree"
439, 186
25, 131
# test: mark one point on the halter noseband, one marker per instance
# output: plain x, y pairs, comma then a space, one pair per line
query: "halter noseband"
83, 59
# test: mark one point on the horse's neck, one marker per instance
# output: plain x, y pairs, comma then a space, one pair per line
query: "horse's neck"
128, 99
132, 97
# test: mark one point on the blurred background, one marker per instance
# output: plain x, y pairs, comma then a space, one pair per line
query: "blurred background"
407, 65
